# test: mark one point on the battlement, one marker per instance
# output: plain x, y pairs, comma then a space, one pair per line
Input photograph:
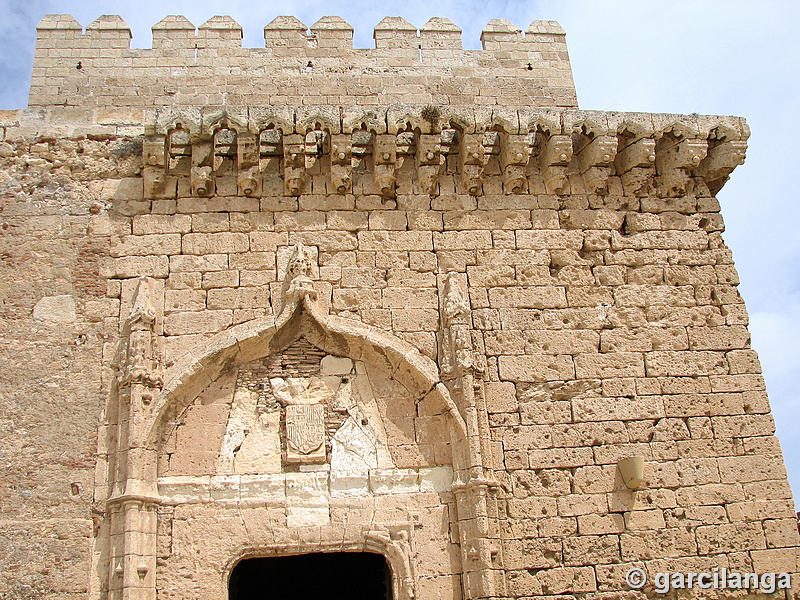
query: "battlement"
207, 65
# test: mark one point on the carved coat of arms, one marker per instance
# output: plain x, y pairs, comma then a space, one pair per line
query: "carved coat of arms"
305, 433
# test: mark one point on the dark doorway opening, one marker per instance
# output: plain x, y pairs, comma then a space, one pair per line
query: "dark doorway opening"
329, 576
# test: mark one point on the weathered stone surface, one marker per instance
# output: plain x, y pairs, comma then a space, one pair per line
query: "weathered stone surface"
406, 299
55, 308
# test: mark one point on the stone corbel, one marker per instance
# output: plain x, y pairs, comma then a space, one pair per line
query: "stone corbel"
406, 146
202, 176
154, 152
385, 161
270, 149
724, 155
361, 142
429, 163
225, 152
472, 162
635, 164
555, 155
675, 159
594, 161
514, 157
449, 142
157, 184
295, 177
202, 181
249, 178
315, 145
341, 164
249, 182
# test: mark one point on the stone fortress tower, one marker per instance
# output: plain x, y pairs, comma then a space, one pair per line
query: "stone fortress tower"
308, 302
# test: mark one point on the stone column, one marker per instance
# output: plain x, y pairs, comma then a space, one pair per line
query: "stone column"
477, 497
132, 506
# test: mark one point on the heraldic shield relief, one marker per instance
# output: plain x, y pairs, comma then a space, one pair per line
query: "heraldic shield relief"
305, 433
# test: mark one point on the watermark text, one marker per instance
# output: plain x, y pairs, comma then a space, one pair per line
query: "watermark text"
716, 579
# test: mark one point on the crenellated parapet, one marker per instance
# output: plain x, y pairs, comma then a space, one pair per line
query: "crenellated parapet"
436, 151
189, 65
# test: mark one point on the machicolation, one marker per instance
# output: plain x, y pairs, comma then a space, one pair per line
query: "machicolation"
402, 320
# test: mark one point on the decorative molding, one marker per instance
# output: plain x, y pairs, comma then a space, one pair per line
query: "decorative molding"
195, 152
141, 361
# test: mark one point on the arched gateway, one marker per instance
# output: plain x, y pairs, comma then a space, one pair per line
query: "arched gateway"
406, 312
289, 436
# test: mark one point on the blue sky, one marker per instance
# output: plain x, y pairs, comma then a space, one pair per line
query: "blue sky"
712, 57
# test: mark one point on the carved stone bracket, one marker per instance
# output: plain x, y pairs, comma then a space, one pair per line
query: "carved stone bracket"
523, 149
635, 163
676, 157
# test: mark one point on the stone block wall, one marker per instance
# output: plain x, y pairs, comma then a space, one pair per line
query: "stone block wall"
184, 67
526, 296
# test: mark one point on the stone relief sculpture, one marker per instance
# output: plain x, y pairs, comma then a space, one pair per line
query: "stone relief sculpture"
457, 345
297, 283
141, 363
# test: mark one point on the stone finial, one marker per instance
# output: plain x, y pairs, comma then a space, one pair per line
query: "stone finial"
286, 22
440, 32
333, 32
143, 308
549, 27
52, 22
394, 24
456, 304
141, 360
501, 26
395, 32
109, 31
286, 32
173, 23
332, 23
498, 31
220, 31
298, 283
174, 31
108, 22
457, 348
223, 22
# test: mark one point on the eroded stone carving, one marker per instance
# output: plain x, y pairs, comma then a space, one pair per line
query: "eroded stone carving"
676, 156
141, 363
429, 163
595, 151
298, 283
556, 153
514, 157
456, 342
341, 164
635, 162
305, 433
385, 159
472, 162
294, 166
